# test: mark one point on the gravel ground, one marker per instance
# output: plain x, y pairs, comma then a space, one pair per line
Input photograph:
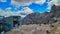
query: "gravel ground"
36, 29
56, 28
31, 29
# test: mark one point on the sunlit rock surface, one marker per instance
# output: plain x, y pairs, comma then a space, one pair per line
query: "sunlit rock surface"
56, 28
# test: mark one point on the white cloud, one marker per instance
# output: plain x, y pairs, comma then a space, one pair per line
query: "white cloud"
5, 12
3, 0
26, 2
56, 2
8, 12
26, 10
40, 1
53, 2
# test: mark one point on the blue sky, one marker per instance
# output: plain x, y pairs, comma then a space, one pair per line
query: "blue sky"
35, 7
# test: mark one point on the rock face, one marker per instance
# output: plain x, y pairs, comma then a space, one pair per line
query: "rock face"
9, 23
37, 18
55, 11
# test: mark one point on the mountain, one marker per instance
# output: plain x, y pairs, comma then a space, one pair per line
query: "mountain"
43, 18
37, 18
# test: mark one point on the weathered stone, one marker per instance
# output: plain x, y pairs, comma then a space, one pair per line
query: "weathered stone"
37, 18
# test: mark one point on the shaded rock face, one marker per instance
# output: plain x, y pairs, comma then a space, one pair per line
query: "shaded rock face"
37, 18
55, 10
31, 18
8, 22
1, 27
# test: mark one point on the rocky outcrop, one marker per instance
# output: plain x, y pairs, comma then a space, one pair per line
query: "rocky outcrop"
55, 11
8, 22
37, 18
